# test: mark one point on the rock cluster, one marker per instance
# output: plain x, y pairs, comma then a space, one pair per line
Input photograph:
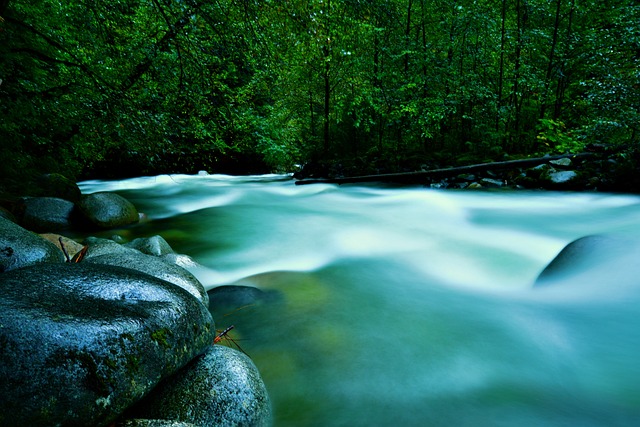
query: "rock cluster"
125, 336
560, 174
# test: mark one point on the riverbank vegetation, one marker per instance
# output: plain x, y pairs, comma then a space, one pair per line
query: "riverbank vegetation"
137, 87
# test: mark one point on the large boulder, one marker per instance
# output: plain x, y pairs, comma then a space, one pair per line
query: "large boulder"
20, 248
79, 343
105, 210
46, 214
220, 388
156, 267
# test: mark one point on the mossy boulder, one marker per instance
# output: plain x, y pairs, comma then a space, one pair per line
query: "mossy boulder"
220, 388
104, 210
79, 343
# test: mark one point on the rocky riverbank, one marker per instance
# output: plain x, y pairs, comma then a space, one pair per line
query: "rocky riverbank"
599, 169
101, 332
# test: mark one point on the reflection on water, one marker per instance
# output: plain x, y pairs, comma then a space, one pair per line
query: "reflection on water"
409, 306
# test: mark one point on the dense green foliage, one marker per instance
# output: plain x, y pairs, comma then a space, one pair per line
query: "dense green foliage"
150, 86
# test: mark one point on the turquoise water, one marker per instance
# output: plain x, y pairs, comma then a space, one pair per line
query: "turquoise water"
409, 306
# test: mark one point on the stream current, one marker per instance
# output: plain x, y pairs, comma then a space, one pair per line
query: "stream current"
409, 306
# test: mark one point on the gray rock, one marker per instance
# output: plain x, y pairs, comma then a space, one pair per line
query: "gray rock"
562, 177
107, 210
154, 245
82, 342
47, 214
565, 162
20, 248
156, 267
99, 246
220, 388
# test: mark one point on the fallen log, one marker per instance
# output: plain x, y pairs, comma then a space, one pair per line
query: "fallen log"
407, 177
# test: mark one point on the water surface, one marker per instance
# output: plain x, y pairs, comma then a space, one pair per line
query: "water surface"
409, 306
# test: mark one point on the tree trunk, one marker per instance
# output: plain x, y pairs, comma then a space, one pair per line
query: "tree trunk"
327, 82
501, 67
550, 65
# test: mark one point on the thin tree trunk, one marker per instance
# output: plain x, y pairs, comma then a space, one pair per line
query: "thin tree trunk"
517, 97
501, 68
563, 79
550, 65
327, 82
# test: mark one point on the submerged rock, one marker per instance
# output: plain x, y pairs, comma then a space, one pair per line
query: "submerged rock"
226, 298
107, 210
220, 388
600, 260
79, 343
20, 248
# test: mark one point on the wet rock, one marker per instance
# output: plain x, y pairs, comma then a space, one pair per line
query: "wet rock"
156, 267
46, 214
105, 210
82, 342
20, 248
181, 260
563, 163
220, 388
99, 246
154, 245
562, 177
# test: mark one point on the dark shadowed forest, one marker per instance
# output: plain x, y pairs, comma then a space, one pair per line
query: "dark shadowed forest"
137, 87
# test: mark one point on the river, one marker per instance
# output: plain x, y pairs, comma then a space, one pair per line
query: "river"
408, 306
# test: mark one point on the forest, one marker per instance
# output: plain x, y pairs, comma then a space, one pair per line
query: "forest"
138, 87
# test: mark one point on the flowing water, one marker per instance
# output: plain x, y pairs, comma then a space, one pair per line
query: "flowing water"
409, 306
